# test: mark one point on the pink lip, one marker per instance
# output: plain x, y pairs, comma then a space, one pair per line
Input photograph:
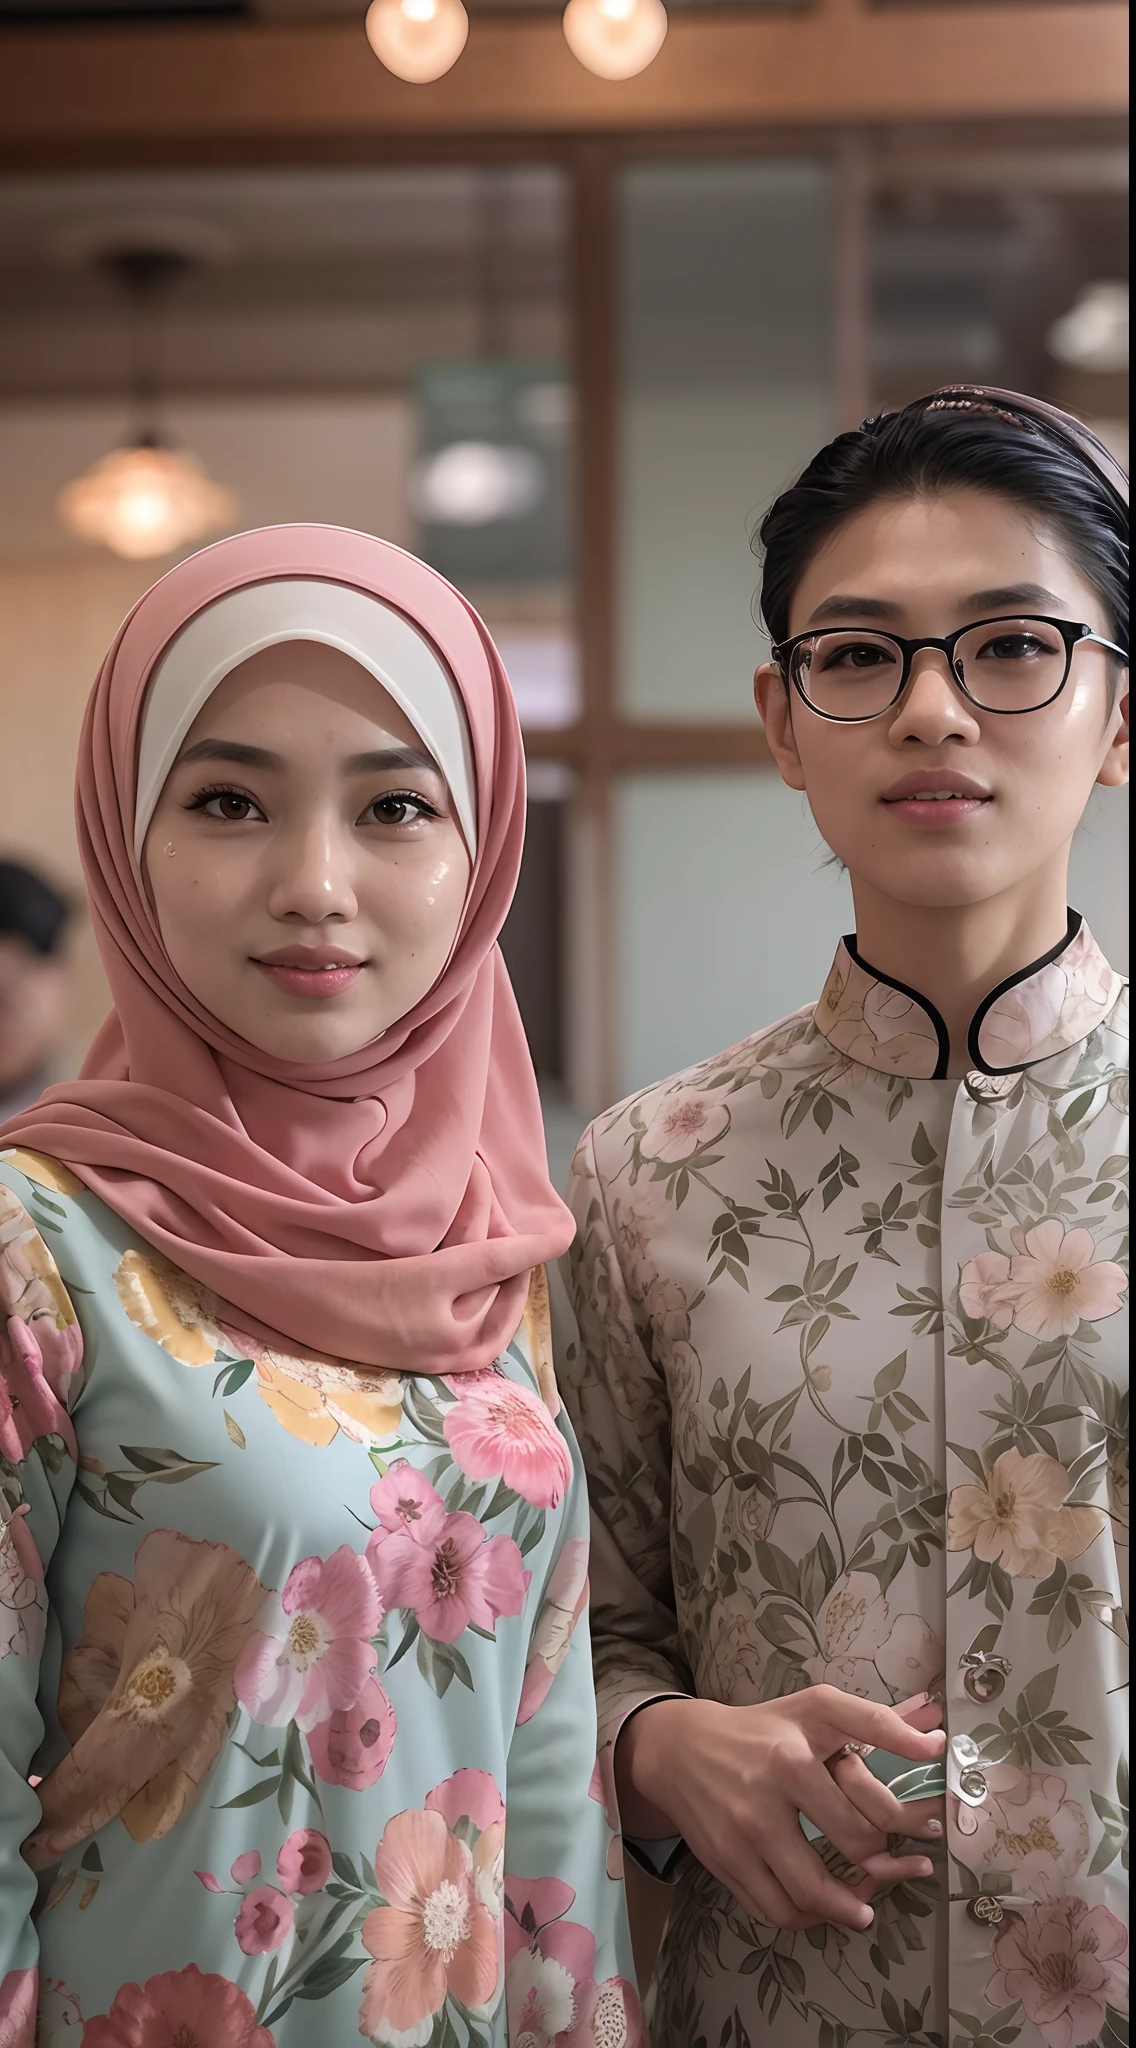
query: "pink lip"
912, 799
318, 971
311, 981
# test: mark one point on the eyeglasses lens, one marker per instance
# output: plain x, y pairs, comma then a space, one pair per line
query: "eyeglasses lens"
1010, 665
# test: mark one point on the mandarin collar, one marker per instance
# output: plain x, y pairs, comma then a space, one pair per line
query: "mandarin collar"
1052, 1004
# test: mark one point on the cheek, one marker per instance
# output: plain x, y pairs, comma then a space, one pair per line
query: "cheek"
420, 897
838, 768
194, 893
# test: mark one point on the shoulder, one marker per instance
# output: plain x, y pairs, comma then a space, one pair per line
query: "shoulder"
687, 1114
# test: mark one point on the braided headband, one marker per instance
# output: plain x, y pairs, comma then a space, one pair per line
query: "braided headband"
1034, 414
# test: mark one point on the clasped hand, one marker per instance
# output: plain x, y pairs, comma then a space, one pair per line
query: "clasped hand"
735, 1781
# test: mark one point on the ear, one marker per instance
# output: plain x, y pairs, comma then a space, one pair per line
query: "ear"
1113, 771
775, 706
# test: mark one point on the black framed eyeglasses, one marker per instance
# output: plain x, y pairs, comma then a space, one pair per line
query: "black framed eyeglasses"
1007, 665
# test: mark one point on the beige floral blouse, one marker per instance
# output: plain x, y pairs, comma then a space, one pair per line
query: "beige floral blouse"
852, 1391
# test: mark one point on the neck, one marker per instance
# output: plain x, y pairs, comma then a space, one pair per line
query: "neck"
953, 955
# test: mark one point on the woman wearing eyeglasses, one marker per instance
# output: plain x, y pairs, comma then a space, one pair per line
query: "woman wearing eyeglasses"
852, 1385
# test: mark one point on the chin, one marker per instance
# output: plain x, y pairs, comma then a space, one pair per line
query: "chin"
941, 885
314, 1048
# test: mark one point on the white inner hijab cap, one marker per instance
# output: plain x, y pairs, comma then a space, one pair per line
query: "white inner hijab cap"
227, 632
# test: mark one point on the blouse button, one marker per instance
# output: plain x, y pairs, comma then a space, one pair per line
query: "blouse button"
984, 1675
972, 1785
986, 1911
989, 1087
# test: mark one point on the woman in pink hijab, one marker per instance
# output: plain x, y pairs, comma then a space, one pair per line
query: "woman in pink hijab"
297, 1731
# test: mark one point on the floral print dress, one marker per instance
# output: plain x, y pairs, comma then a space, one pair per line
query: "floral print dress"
291, 1655
852, 1393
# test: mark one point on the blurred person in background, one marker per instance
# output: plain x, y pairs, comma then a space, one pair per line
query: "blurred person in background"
853, 1381
294, 1555
35, 984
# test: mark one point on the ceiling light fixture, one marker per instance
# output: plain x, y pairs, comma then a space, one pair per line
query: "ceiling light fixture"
418, 40
146, 498
476, 483
615, 38
1093, 334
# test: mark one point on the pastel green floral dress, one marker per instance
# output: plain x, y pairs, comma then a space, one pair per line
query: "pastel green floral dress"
852, 1394
290, 1654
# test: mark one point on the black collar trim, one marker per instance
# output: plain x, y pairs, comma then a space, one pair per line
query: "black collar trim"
974, 1034
941, 1032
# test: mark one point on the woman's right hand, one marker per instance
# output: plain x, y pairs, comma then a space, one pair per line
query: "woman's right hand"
734, 1782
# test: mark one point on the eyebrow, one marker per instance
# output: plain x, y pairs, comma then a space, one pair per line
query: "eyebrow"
845, 605
379, 762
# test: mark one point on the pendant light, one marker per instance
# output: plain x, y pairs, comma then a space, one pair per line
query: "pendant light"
615, 38
418, 40
146, 498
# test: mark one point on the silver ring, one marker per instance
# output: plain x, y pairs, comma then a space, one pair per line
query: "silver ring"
857, 1749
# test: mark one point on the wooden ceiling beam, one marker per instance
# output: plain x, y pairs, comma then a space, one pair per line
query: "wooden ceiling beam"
225, 84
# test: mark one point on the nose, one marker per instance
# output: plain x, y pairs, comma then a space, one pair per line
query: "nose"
312, 876
933, 709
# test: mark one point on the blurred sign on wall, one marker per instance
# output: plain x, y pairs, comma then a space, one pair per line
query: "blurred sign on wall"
490, 489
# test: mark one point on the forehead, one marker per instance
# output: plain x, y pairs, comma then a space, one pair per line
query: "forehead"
303, 691
940, 550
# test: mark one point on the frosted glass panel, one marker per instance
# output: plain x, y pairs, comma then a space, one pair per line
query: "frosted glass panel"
726, 390
1098, 872
726, 915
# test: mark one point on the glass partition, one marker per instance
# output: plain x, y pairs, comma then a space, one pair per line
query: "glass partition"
726, 386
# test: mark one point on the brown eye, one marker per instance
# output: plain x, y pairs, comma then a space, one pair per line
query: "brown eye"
400, 807
227, 806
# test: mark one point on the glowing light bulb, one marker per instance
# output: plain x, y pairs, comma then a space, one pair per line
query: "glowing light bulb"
615, 38
418, 40
145, 501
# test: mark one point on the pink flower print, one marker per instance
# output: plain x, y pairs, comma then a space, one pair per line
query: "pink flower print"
28, 1407
23, 1601
564, 1603
1056, 1284
1017, 1518
468, 1795
180, 2009
984, 1291
497, 1430
610, 2016
404, 1500
912, 1659
352, 1748
473, 1796
1066, 1962
553, 1998
244, 1871
18, 2009
432, 1939
547, 1960
1026, 1825
449, 1574
313, 1654
264, 1922
304, 1862
684, 1121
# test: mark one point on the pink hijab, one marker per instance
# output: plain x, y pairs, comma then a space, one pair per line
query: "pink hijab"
387, 1207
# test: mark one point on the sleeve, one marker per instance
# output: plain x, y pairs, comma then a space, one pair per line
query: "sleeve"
40, 1353
568, 1950
617, 1398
